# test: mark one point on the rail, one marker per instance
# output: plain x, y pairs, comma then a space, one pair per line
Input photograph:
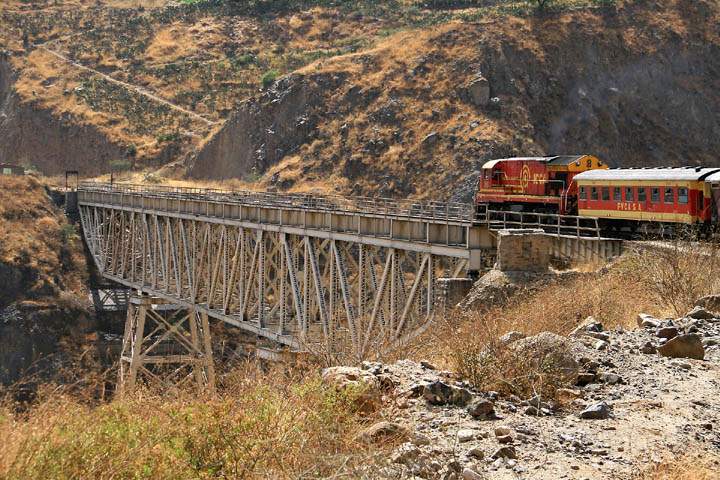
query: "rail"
561, 225
441, 211
463, 213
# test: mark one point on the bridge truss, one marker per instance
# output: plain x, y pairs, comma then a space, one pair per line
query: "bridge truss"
334, 276
308, 290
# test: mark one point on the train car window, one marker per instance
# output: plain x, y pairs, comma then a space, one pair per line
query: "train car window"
682, 195
629, 197
655, 195
606, 193
669, 196
583, 193
617, 194
642, 194
594, 193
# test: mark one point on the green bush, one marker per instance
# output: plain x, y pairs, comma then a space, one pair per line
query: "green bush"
269, 78
120, 165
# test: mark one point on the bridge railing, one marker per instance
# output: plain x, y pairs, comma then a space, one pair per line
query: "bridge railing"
441, 211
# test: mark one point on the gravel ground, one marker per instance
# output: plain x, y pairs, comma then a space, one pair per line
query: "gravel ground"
649, 406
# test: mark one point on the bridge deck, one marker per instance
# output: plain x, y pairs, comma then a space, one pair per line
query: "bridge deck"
445, 229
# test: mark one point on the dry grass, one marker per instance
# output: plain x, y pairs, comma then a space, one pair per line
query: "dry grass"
37, 241
660, 282
265, 424
679, 272
699, 466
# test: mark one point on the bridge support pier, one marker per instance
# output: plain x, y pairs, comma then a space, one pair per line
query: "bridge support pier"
165, 345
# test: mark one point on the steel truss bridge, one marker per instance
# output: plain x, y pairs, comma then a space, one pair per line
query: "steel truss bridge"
308, 272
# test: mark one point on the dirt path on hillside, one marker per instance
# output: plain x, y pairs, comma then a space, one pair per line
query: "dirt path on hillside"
140, 90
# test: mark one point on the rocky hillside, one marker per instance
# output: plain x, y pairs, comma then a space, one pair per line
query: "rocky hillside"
394, 98
602, 404
43, 299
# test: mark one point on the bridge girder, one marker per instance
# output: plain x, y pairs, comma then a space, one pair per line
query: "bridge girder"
308, 292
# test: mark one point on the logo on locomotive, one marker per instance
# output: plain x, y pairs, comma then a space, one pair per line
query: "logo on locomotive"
524, 178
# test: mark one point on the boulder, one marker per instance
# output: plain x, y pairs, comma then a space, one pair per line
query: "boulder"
382, 431
478, 91
548, 348
683, 346
440, 393
700, 313
361, 381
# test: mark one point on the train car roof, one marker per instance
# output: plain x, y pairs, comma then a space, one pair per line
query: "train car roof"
556, 160
682, 173
713, 177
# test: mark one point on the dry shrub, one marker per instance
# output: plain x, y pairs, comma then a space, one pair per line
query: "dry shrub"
679, 272
686, 467
502, 368
265, 424
467, 342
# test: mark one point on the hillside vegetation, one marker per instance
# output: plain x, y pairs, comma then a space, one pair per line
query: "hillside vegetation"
379, 97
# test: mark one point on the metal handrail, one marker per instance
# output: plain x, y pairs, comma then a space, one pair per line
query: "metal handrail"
426, 210
444, 211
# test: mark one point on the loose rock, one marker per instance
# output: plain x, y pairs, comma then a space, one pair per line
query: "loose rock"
382, 431
683, 346
599, 411
440, 393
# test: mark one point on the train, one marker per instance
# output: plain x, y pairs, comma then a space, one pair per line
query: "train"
584, 185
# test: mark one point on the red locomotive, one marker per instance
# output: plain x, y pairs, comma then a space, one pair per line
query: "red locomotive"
537, 184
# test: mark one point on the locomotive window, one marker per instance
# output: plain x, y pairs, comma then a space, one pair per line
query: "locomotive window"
606, 193
629, 197
594, 193
669, 196
682, 195
655, 195
642, 194
583, 193
617, 194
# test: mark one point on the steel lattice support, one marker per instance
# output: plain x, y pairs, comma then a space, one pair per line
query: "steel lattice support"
167, 346
303, 291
